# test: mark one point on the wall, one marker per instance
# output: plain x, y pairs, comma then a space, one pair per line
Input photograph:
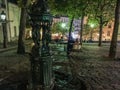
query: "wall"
107, 31
14, 17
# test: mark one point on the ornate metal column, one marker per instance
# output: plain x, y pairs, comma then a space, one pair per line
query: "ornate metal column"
41, 62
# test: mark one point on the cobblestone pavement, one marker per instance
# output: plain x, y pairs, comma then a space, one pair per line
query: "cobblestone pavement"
11, 62
91, 65
97, 71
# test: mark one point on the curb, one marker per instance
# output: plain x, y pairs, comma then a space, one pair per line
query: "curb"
7, 49
12, 47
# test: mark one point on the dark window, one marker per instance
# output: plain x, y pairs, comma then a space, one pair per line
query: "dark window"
15, 31
108, 33
109, 26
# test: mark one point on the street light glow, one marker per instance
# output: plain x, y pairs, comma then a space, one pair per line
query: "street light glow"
92, 25
3, 16
63, 25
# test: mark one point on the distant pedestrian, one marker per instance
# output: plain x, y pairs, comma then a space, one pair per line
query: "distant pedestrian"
70, 45
61, 39
76, 44
57, 40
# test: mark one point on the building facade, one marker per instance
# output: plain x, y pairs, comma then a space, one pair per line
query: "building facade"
14, 17
12, 12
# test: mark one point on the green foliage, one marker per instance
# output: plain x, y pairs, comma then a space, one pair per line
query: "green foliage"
93, 21
87, 27
79, 8
57, 28
68, 7
102, 9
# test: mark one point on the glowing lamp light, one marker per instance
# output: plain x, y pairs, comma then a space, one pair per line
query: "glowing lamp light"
63, 25
97, 34
3, 16
75, 36
92, 25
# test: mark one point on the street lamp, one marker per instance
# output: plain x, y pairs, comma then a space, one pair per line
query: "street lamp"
40, 57
3, 16
3, 21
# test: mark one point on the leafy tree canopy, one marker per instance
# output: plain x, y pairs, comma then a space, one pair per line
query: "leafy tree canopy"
68, 7
93, 21
102, 8
57, 28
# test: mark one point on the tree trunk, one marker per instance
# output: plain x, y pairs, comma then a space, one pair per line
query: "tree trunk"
69, 45
21, 39
112, 51
4, 35
91, 34
81, 29
100, 32
70, 29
